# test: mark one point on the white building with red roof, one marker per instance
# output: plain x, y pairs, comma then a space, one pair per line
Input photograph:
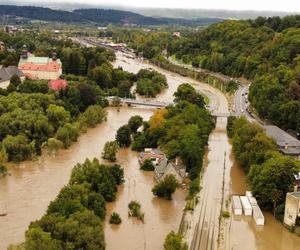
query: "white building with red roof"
40, 67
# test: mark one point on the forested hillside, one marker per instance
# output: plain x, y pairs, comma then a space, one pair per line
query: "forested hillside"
266, 51
97, 16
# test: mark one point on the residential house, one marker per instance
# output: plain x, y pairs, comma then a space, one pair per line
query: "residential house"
292, 208
40, 67
7, 73
166, 167
287, 144
155, 155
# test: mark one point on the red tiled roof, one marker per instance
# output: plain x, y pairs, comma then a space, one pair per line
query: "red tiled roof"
57, 84
51, 67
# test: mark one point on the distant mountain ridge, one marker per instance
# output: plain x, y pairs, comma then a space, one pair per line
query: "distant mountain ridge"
97, 16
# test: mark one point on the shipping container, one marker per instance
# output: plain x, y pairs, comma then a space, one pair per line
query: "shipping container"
252, 201
258, 216
236, 205
247, 208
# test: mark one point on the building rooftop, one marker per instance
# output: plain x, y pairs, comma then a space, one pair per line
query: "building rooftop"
51, 66
8, 72
37, 60
287, 143
295, 194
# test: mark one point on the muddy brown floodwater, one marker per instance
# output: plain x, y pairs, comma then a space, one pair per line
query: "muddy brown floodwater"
245, 235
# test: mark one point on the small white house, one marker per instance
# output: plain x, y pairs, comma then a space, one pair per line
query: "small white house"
247, 208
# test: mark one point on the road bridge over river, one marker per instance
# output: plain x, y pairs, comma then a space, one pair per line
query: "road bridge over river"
158, 104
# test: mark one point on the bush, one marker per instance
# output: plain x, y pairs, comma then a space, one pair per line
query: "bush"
225, 214
135, 210
166, 187
147, 165
115, 219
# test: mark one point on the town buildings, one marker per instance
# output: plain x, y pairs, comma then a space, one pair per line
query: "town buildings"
162, 166
7, 73
287, 144
292, 208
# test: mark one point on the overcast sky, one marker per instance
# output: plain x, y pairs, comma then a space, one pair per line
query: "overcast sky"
278, 5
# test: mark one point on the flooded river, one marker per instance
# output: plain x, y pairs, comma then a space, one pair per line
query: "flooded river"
26, 193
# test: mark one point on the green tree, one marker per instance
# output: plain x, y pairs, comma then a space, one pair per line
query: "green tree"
166, 187
123, 136
115, 218
15, 81
17, 147
110, 150
173, 241
92, 116
57, 115
186, 92
147, 165
134, 123
36, 238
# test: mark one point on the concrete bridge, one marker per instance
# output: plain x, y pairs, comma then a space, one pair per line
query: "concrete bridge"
157, 104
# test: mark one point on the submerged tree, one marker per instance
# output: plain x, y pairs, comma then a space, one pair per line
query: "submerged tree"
110, 151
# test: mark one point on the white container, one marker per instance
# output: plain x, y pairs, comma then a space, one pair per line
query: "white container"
247, 208
252, 201
249, 194
258, 216
236, 205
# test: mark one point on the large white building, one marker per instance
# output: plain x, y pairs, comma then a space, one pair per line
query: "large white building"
40, 67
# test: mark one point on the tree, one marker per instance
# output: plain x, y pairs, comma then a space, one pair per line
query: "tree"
173, 241
36, 238
134, 123
147, 165
15, 81
17, 147
110, 150
123, 136
57, 115
115, 218
271, 180
67, 134
92, 116
186, 92
166, 187
135, 210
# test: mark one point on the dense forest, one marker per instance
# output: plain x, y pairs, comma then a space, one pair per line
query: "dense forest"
269, 173
98, 16
264, 50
